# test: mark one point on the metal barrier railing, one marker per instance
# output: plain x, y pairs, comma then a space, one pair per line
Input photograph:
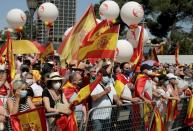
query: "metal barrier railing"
127, 117
182, 109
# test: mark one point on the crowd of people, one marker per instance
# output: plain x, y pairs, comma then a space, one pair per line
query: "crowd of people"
50, 85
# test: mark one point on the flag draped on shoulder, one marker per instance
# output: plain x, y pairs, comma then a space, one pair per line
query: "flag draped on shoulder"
120, 82
29, 120
177, 54
10, 59
103, 46
138, 52
69, 47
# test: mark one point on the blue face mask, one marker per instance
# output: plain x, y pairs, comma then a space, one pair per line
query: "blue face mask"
105, 80
127, 72
23, 93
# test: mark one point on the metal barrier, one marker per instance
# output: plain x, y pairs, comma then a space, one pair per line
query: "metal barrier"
182, 109
127, 117
79, 117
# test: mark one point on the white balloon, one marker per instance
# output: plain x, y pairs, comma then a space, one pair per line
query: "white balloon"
109, 10
67, 32
124, 51
48, 12
132, 13
16, 18
133, 37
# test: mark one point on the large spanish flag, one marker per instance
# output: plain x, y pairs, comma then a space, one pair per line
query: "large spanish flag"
86, 91
138, 51
29, 120
103, 46
120, 82
189, 116
172, 110
69, 47
10, 59
177, 54
95, 32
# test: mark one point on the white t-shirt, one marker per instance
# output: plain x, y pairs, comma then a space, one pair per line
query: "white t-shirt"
104, 113
127, 93
37, 89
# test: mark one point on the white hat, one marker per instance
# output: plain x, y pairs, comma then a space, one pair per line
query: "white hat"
171, 76
2, 67
55, 76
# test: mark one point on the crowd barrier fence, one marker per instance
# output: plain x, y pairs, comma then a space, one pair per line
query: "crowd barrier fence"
131, 117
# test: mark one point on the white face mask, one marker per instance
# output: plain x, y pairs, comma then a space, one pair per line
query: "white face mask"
149, 72
106, 79
57, 85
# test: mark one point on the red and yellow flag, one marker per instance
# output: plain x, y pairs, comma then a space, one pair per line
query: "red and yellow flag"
49, 50
30, 120
157, 122
189, 116
86, 91
177, 54
120, 82
69, 47
172, 110
140, 84
10, 59
67, 123
138, 52
103, 46
95, 32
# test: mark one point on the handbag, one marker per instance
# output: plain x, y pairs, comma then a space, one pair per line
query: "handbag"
61, 107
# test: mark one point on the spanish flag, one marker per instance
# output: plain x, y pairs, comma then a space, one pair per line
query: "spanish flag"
49, 50
120, 82
86, 91
69, 89
177, 54
69, 47
157, 122
189, 116
10, 59
103, 46
138, 52
29, 120
67, 123
172, 110
95, 32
